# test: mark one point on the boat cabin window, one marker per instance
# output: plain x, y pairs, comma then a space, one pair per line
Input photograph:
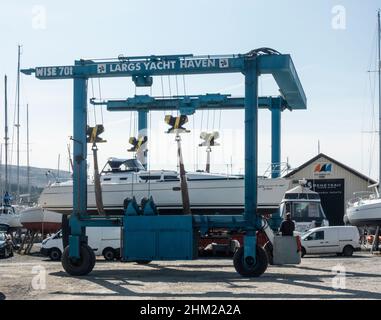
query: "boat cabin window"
121, 165
150, 178
7, 210
171, 178
304, 211
306, 196
123, 179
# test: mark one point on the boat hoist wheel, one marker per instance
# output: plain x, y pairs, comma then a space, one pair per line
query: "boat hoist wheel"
249, 268
82, 266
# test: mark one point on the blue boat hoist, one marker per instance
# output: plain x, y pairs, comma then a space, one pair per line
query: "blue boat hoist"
147, 236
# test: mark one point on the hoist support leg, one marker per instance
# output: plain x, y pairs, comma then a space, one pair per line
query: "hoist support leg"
80, 167
142, 127
276, 139
251, 142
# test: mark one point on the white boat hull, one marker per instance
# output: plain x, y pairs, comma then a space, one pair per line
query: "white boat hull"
41, 220
10, 215
222, 196
365, 213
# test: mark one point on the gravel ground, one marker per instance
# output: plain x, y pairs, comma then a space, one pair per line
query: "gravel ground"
200, 279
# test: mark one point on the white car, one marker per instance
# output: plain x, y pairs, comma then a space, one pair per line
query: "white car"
342, 240
103, 241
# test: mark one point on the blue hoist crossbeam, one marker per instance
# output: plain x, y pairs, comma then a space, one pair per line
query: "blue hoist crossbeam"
187, 105
172, 235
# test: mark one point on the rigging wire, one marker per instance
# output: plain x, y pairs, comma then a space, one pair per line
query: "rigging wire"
94, 107
100, 97
372, 88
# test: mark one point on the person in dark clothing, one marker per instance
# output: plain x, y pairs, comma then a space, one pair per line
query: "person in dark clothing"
288, 226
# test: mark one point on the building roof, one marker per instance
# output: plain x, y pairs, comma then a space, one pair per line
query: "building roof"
322, 155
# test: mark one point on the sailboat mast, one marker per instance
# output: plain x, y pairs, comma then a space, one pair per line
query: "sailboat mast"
27, 152
379, 96
18, 124
6, 132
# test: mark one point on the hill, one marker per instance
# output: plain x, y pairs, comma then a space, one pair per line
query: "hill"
39, 178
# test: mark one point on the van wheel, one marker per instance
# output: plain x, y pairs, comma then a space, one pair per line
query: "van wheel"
303, 252
82, 266
248, 268
348, 251
109, 254
55, 254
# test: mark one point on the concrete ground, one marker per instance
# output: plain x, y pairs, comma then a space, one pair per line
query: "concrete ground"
22, 277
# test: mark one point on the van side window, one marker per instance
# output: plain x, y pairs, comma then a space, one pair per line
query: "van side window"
319, 235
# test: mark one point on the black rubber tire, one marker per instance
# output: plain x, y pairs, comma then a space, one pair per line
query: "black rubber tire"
109, 254
257, 269
348, 251
143, 262
55, 254
81, 267
303, 253
65, 231
269, 251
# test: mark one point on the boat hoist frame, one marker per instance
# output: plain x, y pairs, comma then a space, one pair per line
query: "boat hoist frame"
151, 237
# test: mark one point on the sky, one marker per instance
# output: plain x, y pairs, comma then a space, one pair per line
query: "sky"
332, 43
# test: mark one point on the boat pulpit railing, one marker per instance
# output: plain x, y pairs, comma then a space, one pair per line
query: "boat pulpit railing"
361, 196
280, 169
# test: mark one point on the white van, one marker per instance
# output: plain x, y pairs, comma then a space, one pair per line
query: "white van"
342, 240
104, 241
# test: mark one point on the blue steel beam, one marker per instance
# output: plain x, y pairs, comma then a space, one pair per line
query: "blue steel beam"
276, 114
187, 105
280, 66
142, 128
283, 70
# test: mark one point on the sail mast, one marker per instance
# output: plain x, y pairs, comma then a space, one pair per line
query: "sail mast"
379, 95
27, 152
6, 131
18, 124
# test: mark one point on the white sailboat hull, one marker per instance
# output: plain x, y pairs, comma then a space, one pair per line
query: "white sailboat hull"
39, 219
221, 195
12, 220
365, 213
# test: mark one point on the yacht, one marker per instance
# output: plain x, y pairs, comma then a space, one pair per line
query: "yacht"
10, 215
127, 178
365, 208
305, 207
40, 220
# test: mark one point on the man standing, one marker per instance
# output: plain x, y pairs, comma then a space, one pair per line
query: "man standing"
288, 226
